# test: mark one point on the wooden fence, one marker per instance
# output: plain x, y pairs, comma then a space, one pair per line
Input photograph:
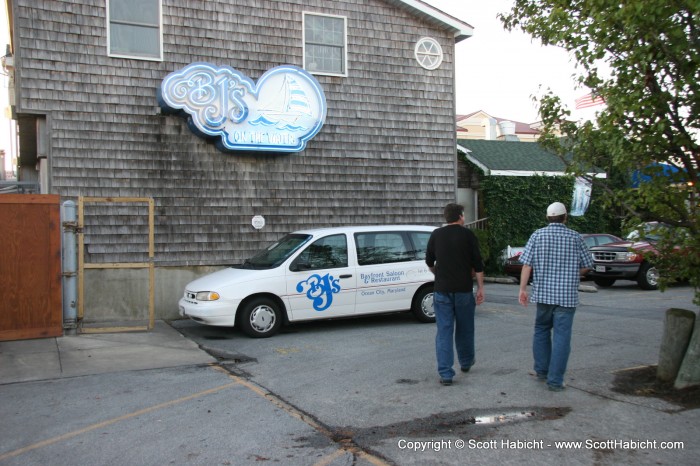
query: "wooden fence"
30, 266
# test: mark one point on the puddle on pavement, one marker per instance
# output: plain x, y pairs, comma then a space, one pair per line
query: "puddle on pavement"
467, 423
504, 417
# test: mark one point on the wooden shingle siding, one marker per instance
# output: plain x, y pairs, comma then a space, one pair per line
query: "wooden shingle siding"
386, 153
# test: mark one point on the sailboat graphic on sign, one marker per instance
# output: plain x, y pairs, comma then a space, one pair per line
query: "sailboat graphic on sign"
291, 109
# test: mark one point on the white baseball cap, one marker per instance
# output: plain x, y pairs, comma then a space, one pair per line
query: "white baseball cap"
556, 209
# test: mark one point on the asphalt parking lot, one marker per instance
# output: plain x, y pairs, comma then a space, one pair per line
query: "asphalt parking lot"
372, 381
365, 391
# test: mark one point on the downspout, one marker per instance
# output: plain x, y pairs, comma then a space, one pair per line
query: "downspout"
70, 267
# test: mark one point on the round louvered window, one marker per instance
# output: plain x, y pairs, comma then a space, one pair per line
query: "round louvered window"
428, 53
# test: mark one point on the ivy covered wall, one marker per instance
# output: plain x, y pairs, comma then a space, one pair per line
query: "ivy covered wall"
516, 206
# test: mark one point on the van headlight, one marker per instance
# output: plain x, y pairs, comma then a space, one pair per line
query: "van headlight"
207, 296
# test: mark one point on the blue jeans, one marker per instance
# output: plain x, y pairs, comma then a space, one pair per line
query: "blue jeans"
551, 343
454, 317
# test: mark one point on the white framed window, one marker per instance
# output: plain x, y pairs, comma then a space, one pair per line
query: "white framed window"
135, 29
325, 44
428, 53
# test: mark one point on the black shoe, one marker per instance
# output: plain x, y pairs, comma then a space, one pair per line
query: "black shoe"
466, 369
556, 388
446, 382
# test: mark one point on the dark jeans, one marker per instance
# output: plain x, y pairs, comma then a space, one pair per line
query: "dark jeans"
454, 317
551, 343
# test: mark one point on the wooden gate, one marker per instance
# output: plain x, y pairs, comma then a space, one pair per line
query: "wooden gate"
30, 266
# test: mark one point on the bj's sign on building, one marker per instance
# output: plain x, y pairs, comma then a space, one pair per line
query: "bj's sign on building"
281, 113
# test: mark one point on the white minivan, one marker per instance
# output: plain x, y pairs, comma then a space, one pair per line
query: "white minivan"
318, 274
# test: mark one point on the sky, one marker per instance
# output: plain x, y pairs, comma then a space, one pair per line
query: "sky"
499, 71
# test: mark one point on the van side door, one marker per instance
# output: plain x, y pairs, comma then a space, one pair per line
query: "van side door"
320, 281
391, 268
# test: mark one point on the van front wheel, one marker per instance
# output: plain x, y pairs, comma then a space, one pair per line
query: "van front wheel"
422, 306
260, 318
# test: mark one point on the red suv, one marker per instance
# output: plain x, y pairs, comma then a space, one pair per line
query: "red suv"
628, 259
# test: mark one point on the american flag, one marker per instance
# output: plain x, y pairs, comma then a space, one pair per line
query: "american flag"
589, 100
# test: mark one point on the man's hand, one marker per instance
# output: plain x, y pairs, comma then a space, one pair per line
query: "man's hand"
524, 278
479, 288
480, 295
523, 297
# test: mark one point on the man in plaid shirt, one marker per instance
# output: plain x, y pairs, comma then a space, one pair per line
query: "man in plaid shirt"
558, 258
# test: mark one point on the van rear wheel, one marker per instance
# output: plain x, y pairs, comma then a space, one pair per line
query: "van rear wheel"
422, 306
260, 318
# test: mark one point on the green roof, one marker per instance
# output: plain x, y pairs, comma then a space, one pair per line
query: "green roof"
515, 156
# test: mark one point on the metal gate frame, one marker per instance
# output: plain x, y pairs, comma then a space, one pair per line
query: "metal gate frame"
116, 265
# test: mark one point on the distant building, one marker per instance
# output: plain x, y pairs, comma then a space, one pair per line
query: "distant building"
513, 159
481, 125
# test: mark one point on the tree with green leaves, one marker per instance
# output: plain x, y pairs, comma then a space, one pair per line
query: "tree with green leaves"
642, 57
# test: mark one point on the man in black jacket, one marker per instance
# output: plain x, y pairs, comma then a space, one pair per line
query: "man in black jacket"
452, 255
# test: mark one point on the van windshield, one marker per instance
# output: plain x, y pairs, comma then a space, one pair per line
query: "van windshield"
275, 254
